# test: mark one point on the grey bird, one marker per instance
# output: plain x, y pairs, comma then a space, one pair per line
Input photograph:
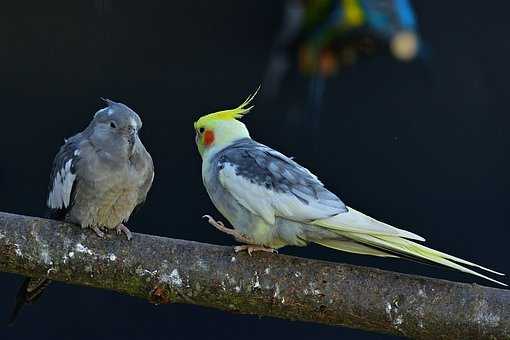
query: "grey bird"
272, 201
99, 177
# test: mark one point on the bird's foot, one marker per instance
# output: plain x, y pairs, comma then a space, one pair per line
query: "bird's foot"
98, 231
221, 227
121, 228
250, 248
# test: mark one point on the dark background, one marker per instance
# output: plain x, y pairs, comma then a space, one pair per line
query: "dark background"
421, 145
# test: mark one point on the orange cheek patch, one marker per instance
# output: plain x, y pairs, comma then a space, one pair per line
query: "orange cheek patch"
208, 137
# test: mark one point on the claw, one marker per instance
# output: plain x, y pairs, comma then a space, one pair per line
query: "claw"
98, 232
213, 221
217, 224
252, 248
232, 232
121, 228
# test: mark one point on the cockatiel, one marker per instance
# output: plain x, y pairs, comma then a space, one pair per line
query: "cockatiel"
271, 201
99, 177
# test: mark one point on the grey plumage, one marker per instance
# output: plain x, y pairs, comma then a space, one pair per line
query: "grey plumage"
102, 174
266, 167
98, 178
273, 171
63, 179
271, 201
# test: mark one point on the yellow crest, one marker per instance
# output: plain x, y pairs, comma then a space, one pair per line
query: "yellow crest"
231, 114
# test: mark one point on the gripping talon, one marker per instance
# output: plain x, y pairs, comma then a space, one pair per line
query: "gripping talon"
252, 248
98, 232
121, 228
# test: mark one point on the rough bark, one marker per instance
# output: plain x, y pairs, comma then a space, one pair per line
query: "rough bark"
163, 270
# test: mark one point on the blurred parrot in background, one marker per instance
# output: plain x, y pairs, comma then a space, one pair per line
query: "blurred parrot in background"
321, 37
271, 201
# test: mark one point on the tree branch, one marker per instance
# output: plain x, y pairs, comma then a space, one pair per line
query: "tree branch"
164, 270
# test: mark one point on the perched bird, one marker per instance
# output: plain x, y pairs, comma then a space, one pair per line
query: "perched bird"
271, 201
99, 177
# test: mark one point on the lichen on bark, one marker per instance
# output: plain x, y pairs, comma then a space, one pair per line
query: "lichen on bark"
163, 270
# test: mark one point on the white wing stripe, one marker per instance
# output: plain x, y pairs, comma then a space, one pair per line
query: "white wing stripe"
60, 194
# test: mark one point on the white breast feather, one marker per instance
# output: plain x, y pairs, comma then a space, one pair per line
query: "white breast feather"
60, 195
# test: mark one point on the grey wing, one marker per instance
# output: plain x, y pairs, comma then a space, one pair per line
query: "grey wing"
63, 179
146, 185
270, 184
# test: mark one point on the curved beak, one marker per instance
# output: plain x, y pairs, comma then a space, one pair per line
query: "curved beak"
132, 137
132, 133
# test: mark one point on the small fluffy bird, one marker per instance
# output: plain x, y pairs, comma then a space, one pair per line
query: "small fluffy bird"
99, 177
271, 201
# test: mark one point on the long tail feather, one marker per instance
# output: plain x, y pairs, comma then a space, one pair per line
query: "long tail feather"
356, 222
407, 248
354, 247
30, 290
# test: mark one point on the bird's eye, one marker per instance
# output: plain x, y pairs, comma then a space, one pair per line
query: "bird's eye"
112, 125
201, 130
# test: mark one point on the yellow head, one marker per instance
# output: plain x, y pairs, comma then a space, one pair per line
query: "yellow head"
217, 130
